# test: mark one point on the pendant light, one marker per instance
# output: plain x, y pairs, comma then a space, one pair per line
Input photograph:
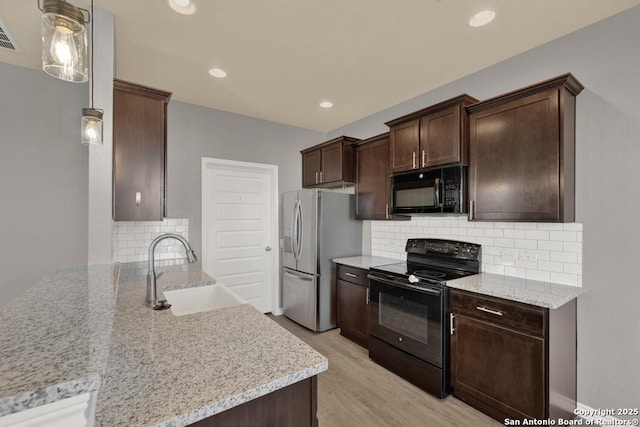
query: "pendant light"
64, 40
91, 126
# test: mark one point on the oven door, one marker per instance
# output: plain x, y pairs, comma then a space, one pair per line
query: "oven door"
416, 193
408, 318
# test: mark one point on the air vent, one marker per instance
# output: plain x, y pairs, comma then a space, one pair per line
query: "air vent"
6, 41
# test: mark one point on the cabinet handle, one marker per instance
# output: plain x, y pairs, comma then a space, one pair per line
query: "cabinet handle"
321, 176
424, 159
451, 328
472, 210
414, 160
386, 212
350, 275
368, 296
138, 198
316, 177
488, 310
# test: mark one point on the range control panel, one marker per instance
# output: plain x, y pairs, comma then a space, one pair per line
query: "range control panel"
446, 248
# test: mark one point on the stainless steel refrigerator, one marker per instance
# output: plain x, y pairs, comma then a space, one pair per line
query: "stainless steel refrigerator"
317, 227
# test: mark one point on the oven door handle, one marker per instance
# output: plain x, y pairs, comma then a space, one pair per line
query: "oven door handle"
404, 285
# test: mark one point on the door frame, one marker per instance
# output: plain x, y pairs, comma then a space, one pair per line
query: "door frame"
209, 162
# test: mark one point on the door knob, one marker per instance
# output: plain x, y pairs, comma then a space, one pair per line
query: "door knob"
268, 249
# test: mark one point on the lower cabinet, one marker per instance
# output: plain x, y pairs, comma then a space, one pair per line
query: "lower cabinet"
353, 304
513, 360
292, 406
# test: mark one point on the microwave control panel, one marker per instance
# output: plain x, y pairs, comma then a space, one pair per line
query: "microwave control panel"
451, 193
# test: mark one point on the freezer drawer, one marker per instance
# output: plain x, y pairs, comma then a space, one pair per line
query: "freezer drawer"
300, 298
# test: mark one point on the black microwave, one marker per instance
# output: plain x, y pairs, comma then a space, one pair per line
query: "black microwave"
432, 191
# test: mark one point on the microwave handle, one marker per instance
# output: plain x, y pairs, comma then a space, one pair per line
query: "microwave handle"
436, 186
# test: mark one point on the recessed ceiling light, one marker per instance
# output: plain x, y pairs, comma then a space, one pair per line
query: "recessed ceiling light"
218, 73
482, 18
326, 104
184, 7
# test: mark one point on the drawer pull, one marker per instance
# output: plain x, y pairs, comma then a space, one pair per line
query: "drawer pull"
350, 275
488, 310
452, 329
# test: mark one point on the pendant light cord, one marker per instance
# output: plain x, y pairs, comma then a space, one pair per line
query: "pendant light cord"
93, 17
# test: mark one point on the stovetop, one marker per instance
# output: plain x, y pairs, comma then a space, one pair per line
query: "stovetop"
421, 271
434, 261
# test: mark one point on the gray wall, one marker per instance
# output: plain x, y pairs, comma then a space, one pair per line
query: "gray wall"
605, 57
43, 178
195, 132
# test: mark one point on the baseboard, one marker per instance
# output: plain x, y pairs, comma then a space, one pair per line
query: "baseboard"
596, 416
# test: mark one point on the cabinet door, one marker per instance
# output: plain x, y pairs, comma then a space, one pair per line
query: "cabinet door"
440, 138
499, 367
404, 146
353, 311
331, 163
139, 148
311, 163
372, 183
515, 160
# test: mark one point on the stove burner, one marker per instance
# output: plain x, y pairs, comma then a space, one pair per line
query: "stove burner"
429, 274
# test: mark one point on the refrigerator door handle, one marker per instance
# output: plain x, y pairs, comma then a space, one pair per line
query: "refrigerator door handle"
300, 229
293, 230
299, 276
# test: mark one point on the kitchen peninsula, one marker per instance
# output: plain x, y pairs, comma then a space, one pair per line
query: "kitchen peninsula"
151, 368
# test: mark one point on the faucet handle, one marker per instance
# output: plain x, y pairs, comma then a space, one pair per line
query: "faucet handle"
161, 305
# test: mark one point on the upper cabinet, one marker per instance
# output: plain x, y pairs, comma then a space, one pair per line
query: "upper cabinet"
373, 179
139, 152
330, 164
433, 136
522, 154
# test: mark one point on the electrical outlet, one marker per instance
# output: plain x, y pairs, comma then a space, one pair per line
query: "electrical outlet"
509, 256
527, 256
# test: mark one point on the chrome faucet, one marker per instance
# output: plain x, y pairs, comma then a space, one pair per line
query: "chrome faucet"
152, 298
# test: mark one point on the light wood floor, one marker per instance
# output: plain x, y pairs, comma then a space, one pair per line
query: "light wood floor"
357, 392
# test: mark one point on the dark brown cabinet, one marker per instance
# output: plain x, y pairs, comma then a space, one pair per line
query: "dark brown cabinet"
139, 152
513, 360
522, 154
293, 406
353, 303
433, 136
372, 178
330, 164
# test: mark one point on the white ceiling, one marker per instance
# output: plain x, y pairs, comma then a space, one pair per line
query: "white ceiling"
285, 56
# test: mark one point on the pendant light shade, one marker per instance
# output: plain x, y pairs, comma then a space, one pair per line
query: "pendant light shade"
91, 126
64, 41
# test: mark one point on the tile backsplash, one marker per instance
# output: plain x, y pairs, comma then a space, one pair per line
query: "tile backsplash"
548, 252
131, 239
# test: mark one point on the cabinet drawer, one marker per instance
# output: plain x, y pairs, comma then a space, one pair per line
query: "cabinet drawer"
353, 275
510, 314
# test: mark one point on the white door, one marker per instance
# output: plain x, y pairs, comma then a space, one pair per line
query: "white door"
240, 229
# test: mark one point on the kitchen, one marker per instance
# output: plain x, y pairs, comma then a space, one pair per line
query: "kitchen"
607, 130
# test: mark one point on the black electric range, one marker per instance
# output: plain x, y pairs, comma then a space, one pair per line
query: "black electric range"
408, 310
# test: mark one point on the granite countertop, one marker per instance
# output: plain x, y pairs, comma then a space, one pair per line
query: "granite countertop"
54, 339
173, 371
541, 294
151, 367
365, 261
